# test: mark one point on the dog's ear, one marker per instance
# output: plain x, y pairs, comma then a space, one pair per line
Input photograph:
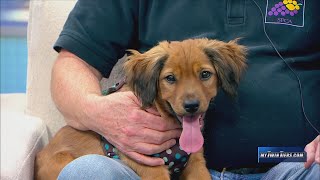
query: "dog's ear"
229, 61
142, 73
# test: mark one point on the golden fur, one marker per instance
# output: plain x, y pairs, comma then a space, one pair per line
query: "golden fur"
147, 74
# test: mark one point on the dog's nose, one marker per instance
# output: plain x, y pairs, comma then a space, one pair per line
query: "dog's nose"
191, 106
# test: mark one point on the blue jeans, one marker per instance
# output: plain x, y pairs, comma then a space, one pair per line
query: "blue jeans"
101, 167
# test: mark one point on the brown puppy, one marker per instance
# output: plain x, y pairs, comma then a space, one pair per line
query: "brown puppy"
179, 79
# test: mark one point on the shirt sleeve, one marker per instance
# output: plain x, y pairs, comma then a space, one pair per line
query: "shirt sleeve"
99, 32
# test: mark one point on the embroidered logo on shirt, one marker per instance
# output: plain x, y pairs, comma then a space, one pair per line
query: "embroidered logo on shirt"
286, 12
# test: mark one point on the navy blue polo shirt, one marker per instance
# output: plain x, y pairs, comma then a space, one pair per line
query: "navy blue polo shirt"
267, 110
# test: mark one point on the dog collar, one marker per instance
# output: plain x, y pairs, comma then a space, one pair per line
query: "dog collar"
175, 158
114, 88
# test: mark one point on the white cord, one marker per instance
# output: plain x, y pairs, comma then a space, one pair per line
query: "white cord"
296, 75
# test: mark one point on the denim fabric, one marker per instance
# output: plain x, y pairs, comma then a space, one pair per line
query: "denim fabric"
215, 175
283, 171
101, 167
293, 171
97, 167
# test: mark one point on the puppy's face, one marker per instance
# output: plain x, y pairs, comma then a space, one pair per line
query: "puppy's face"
181, 78
188, 80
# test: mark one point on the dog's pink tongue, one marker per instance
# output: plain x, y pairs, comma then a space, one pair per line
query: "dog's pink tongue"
191, 139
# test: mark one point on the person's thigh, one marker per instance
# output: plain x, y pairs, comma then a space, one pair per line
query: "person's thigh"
291, 170
97, 167
225, 175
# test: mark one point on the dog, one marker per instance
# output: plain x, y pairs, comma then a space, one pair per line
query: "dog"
179, 78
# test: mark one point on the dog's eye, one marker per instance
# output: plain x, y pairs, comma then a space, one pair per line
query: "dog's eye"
205, 75
171, 79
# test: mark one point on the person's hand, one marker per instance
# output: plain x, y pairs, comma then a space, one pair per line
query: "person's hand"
313, 152
135, 132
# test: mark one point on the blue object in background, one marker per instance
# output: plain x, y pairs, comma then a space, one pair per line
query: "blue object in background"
13, 64
13, 25
281, 154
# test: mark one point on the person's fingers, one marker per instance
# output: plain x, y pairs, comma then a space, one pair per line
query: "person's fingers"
150, 149
311, 152
148, 120
130, 136
146, 160
159, 123
147, 141
153, 111
317, 155
134, 98
151, 117
310, 156
137, 101
157, 137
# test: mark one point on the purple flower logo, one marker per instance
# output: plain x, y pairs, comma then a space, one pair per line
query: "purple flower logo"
284, 8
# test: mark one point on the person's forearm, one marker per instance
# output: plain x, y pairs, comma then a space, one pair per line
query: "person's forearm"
118, 117
73, 82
